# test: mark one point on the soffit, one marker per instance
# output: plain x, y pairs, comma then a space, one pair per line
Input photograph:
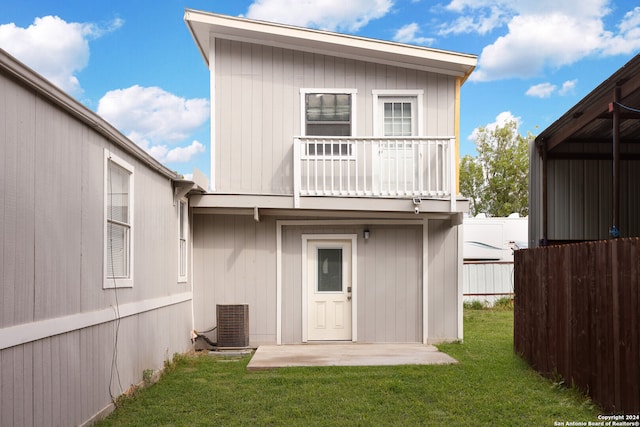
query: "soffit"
203, 24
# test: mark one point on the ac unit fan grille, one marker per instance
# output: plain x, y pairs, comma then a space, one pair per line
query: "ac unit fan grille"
233, 325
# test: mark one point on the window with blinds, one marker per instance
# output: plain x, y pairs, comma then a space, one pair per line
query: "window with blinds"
118, 227
328, 114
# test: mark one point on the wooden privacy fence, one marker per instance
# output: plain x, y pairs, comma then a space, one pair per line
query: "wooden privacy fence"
577, 316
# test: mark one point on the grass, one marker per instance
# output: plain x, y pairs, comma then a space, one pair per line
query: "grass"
490, 386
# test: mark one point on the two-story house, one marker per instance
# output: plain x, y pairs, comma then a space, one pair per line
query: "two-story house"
333, 211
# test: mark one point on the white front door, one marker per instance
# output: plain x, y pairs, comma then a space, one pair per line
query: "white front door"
329, 290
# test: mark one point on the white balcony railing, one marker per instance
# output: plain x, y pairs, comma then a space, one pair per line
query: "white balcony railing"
374, 167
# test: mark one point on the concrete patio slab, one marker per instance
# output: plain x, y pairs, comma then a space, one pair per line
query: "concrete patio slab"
352, 354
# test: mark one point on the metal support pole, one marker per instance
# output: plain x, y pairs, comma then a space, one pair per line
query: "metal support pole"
615, 231
545, 204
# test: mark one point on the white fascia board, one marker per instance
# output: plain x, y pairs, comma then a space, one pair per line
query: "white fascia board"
201, 24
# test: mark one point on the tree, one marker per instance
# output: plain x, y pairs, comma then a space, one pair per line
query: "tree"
497, 180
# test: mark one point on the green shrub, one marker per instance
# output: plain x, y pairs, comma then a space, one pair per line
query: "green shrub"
504, 303
475, 305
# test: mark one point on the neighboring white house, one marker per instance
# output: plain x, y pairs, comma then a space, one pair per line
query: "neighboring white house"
91, 293
333, 210
489, 244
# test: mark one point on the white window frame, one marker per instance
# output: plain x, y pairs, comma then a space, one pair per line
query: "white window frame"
334, 91
183, 240
118, 282
378, 126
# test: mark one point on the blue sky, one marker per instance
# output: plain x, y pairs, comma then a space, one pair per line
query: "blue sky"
536, 59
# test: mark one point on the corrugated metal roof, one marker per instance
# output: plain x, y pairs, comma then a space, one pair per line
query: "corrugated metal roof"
590, 121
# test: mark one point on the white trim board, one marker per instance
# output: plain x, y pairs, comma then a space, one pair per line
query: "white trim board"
425, 281
28, 332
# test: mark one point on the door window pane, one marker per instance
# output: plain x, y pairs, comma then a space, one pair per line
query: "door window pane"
329, 270
397, 119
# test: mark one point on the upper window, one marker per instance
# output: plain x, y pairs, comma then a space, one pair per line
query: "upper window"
183, 232
118, 222
328, 114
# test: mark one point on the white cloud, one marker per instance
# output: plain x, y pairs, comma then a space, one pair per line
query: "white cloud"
153, 113
568, 87
332, 15
532, 45
153, 118
540, 35
542, 90
545, 90
627, 40
164, 154
501, 120
184, 154
54, 48
482, 23
409, 34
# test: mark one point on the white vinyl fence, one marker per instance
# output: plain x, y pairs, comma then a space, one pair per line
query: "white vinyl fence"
487, 281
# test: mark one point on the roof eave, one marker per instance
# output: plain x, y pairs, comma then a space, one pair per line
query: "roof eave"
593, 105
202, 24
29, 78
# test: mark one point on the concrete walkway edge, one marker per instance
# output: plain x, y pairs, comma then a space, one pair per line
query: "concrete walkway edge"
351, 354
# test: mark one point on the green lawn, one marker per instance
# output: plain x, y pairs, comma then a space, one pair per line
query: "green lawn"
490, 386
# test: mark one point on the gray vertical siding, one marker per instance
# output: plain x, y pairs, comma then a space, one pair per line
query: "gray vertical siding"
51, 266
443, 281
258, 108
53, 210
17, 218
65, 379
580, 198
235, 261
390, 285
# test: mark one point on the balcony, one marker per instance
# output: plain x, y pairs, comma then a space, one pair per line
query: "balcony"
405, 167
